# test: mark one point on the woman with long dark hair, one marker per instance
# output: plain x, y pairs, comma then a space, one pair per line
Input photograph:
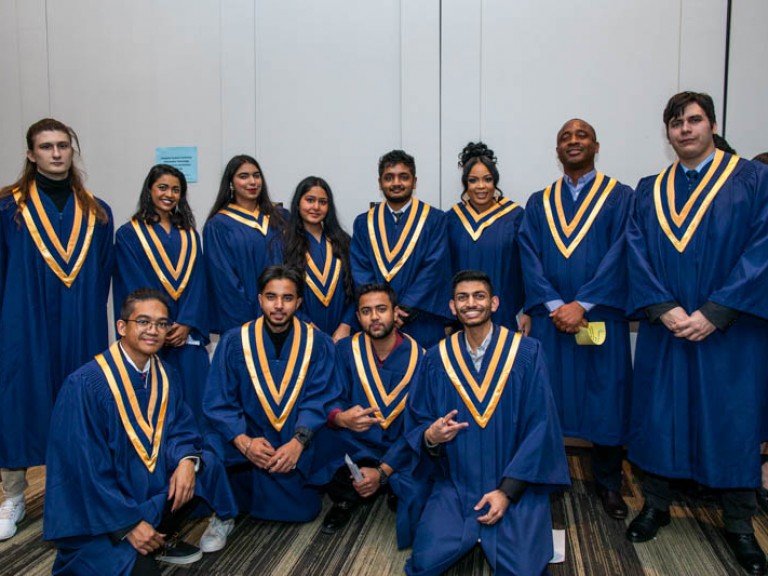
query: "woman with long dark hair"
482, 232
242, 237
160, 248
316, 243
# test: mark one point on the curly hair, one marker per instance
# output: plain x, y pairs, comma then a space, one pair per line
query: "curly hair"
473, 153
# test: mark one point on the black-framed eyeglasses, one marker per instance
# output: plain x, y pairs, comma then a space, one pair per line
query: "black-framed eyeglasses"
144, 324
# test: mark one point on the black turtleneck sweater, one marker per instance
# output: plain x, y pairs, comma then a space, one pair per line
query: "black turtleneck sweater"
57, 190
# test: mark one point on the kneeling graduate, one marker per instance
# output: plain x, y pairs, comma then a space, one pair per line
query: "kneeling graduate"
482, 414
125, 464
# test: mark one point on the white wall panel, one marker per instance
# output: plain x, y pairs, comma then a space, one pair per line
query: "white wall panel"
420, 93
747, 121
238, 79
327, 87
538, 63
131, 76
24, 70
329, 93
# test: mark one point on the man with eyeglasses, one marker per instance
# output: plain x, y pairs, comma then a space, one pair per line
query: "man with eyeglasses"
126, 465
269, 389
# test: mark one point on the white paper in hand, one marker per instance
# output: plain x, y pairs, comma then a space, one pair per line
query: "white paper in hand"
357, 476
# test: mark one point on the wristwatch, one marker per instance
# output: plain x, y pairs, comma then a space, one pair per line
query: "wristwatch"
383, 478
303, 436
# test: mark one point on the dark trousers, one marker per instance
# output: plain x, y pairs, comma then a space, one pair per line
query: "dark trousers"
739, 506
606, 466
171, 524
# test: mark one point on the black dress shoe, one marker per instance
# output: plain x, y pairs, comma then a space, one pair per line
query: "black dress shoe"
337, 517
747, 551
613, 504
646, 524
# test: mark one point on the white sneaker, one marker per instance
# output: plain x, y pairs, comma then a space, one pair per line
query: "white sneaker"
11, 513
215, 536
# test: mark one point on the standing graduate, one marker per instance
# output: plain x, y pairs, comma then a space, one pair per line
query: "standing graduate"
482, 414
482, 231
316, 243
56, 258
403, 241
574, 265
377, 367
160, 248
241, 237
268, 393
698, 265
127, 464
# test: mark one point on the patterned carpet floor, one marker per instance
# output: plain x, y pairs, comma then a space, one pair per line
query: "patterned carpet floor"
692, 545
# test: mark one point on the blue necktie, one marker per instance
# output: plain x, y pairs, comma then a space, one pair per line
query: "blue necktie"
693, 179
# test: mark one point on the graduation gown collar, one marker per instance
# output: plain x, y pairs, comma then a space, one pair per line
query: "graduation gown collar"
323, 277
566, 234
64, 261
475, 222
391, 260
277, 401
388, 404
497, 366
173, 276
679, 227
146, 440
255, 219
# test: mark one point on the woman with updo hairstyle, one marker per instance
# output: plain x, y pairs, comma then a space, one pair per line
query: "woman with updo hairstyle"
160, 248
482, 232
312, 237
242, 237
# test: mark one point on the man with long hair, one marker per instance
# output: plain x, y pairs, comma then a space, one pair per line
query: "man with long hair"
55, 266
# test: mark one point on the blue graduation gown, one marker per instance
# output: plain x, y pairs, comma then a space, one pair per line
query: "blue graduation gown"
361, 379
591, 384
325, 303
698, 408
185, 288
238, 246
488, 242
520, 439
238, 400
97, 483
47, 329
417, 265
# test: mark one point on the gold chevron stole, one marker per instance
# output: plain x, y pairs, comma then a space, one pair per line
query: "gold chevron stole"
173, 278
252, 336
388, 405
683, 221
65, 263
122, 389
391, 261
475, 222
255, 219
323, 284
593, 202
497, 373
